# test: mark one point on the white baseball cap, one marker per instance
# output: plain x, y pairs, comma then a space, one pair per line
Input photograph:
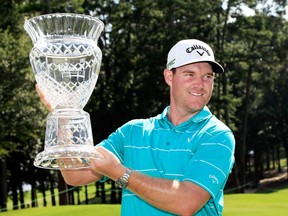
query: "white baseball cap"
191, 51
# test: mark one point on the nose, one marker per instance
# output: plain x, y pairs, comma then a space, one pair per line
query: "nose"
198, 82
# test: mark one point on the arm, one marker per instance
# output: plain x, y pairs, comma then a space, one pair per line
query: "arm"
80, 177
182, 198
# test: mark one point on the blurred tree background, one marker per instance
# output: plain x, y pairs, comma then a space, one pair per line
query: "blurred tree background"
251, 97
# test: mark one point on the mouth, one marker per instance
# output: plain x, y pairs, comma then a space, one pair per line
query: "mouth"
196, 94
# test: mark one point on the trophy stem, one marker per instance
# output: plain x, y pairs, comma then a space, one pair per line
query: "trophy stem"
68, 140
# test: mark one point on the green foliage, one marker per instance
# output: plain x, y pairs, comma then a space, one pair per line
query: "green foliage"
18, 97
51, 6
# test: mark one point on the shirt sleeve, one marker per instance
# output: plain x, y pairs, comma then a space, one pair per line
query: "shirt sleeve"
212, 162
116, 140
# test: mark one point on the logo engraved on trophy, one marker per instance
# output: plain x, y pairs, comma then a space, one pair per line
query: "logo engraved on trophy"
66, 61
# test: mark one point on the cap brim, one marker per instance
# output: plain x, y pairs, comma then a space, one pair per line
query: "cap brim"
217, 68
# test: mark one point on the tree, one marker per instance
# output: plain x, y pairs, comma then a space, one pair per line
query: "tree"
254, 40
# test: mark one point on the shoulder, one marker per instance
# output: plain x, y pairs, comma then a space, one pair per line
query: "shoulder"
143, 123
215, 131
216, 125
209, 121
218, 132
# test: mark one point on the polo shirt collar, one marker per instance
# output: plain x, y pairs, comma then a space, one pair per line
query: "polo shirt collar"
199, 117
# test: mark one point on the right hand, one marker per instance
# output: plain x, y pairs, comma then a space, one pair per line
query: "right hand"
43, 99
107, 164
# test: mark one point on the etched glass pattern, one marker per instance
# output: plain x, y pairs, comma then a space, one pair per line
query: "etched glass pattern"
66, 61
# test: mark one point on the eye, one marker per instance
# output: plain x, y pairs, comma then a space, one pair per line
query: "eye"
189, 74
208, 76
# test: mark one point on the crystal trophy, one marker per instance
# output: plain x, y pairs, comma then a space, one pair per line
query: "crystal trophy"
66, 59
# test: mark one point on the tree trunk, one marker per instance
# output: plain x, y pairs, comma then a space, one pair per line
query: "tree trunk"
278, 159
71, 195
113, 193
235, 178
244, 135
44, 198
14, 195
268, 160
86, 195
21, 195
261, 163
62, 187
273, 158
34, 195
103, 193
53, 201
3, 185
257, 162
97, 185
78, 195
119, 192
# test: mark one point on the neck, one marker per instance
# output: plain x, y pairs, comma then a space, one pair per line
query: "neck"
176, 117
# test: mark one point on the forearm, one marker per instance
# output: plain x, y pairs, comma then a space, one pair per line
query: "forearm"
181, 198
80, 177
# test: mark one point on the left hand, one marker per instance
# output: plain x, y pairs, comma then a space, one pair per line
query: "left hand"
43, 98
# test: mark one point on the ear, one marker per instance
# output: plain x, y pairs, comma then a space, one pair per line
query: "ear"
168, 76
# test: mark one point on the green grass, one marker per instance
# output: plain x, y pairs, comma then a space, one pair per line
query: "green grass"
76, 210
274, 202
91, 197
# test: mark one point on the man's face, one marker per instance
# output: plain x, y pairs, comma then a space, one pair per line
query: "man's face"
191, 87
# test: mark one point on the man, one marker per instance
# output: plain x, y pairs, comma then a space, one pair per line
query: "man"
178, 162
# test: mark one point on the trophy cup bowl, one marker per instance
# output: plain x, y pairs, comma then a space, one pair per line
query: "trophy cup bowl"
66, 61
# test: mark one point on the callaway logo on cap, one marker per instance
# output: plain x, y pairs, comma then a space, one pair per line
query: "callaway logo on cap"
191, 51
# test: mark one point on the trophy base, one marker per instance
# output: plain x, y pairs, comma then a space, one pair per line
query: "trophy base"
66, 158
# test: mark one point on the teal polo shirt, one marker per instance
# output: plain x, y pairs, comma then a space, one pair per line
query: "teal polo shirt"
200, 150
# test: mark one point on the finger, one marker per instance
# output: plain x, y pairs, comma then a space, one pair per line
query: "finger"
39, 92
43, 99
